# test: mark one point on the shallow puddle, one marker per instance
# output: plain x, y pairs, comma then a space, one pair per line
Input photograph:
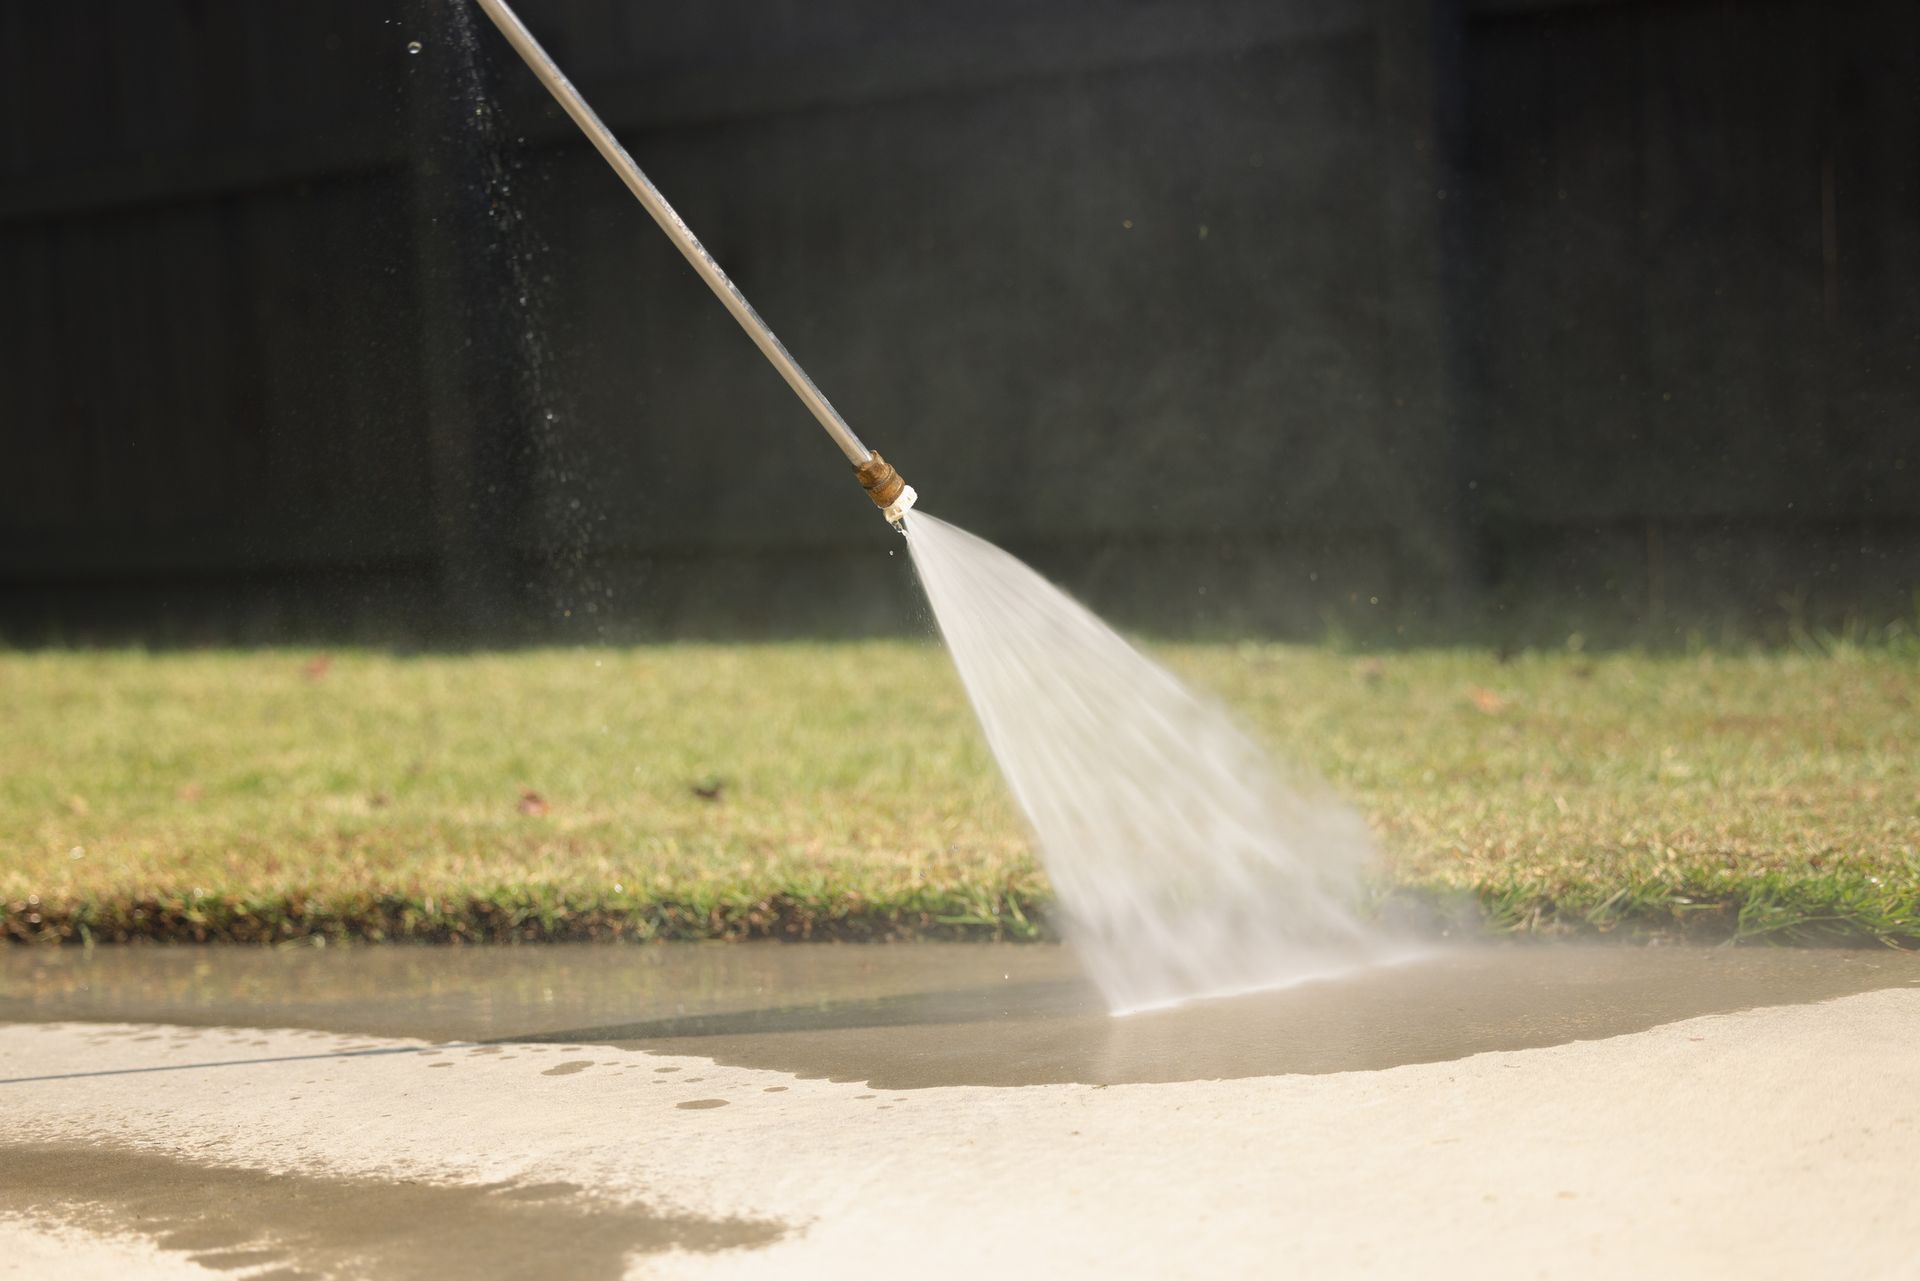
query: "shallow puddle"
297, 1226
932, 1014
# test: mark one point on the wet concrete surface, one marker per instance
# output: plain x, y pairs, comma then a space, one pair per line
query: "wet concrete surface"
690, 1113
303, 1227
932, 1015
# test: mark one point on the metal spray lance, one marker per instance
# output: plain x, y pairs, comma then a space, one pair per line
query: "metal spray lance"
891, 494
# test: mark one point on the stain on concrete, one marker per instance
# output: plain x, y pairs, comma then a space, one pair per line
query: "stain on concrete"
539, 1191
235, 1260
316, 1226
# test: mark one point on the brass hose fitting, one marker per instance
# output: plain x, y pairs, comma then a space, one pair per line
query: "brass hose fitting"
892, 495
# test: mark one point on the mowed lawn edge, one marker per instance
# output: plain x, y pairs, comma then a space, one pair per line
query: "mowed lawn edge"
820, 791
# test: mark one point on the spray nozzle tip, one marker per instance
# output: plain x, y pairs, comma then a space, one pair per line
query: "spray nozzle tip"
892, 495
896, 511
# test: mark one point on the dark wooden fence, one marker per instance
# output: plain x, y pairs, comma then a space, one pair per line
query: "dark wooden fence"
1233, 315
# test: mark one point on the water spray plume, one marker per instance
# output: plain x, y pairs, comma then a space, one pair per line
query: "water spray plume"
1185, 865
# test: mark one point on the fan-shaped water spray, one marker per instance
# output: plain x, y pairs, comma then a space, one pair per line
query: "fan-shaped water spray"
1185, 863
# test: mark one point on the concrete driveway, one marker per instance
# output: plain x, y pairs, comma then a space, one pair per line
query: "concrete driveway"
953, 1111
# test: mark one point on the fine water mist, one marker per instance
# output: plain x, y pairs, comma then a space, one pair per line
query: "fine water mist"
1185, 863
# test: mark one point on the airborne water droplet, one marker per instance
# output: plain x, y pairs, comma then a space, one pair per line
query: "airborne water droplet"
413, 46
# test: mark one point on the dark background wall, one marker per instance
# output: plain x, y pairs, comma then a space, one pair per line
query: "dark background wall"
1389, 316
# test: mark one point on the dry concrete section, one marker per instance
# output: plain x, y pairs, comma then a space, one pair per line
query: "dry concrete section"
834, 1111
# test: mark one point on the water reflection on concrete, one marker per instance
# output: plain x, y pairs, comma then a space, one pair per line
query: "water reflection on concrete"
929, 1014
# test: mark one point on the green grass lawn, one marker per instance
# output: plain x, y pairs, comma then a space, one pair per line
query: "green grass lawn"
844, 791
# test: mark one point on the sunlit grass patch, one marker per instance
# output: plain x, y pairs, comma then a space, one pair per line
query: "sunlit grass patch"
804, 790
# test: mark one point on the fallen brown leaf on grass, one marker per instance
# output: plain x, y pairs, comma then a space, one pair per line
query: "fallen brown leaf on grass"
533, 804
317, 666
1486, 700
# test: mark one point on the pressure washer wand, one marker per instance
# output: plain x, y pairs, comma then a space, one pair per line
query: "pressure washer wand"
891, 494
